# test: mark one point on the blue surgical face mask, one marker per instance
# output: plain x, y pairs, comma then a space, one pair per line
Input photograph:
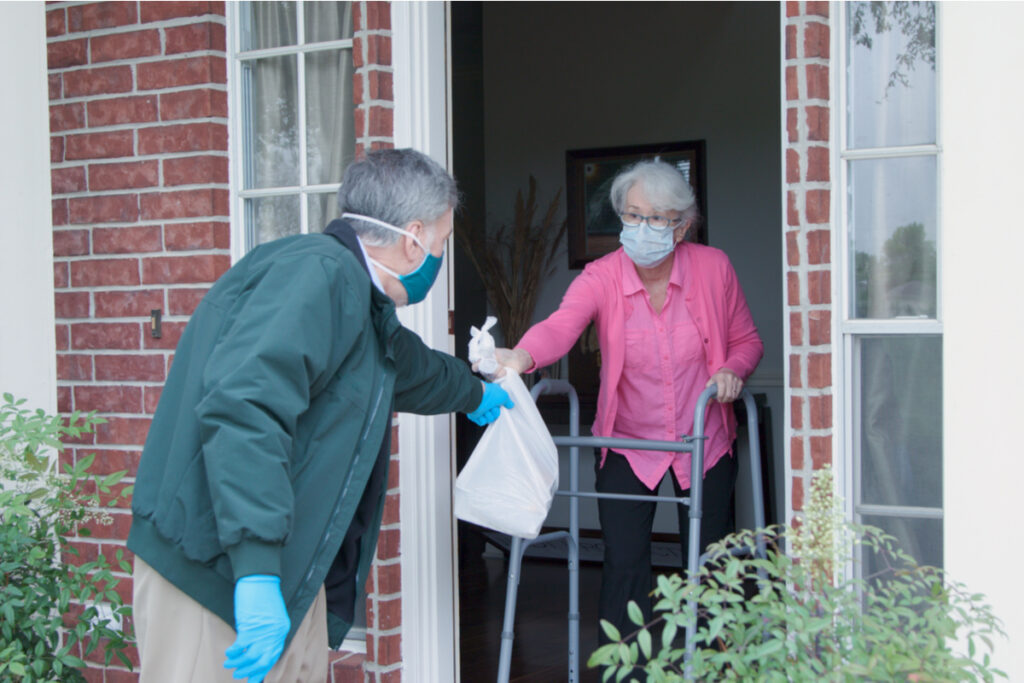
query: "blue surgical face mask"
645, 246
421, 279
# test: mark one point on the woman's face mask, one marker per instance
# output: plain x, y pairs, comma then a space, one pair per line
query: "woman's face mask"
418, 282
647, 246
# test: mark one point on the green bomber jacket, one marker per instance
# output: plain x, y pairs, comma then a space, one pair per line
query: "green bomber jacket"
276, 407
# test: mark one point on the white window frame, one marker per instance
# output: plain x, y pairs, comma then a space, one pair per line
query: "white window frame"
850, 330
242, 236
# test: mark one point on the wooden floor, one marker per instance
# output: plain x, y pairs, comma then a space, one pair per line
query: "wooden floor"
540, 652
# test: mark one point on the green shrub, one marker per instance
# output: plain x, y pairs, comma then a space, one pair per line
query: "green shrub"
49, 597
804, 616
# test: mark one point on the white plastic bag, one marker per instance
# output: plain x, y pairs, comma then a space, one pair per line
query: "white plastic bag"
481, 348
510, 478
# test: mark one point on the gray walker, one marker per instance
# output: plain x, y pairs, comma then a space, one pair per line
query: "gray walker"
687, 444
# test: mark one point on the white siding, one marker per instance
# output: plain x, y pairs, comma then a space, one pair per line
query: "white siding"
981, 60
27, 347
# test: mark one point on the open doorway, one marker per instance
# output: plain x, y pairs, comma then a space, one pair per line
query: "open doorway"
531, 81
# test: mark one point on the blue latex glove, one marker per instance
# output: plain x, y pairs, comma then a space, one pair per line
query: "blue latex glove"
490, 405
262, 624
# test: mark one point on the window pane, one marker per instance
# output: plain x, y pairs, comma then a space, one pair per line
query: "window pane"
271, 122
919, 538
330, 128
900, 420
328, 21
891, 74
893, 227
272, 217
267, 24
323, 208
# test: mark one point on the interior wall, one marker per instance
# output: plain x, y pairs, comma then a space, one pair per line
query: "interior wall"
561, 76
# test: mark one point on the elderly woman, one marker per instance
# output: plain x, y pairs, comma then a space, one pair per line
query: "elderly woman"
671, 320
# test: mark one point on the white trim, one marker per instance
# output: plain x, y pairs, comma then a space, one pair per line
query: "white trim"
28, 354
428, 569
236, 203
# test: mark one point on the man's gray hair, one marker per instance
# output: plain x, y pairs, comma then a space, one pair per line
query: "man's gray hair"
662, 183
396, 186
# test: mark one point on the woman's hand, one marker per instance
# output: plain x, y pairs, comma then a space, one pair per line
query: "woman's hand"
515, 359
729, 385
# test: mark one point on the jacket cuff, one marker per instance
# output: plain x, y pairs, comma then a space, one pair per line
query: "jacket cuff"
476, 395
255, 557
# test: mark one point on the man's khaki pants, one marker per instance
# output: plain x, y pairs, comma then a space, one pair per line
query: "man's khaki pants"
181, 641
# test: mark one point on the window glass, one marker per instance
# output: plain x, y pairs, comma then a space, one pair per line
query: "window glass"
273, 217
900, 404
890, 74
267, 24
893, 227
323, 208
919, 538
330, 126
270, 124
327, 21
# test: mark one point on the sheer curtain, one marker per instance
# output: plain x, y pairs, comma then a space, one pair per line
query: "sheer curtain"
330, 128
271, 115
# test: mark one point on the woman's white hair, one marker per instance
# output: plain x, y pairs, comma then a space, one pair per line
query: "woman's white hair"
662, 183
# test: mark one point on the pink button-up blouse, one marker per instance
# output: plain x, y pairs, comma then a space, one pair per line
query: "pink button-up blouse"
655, 365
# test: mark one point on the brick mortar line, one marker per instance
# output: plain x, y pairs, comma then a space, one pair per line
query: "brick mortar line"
131, 28
135, 61
110, 161
103, 97
130, 61
125, 288
147, 190
120, 224
386, 596
140, 254
139, 125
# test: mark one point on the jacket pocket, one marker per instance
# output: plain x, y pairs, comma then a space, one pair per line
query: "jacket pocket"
188, 518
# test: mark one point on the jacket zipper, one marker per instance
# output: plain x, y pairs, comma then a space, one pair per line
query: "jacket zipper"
344, 490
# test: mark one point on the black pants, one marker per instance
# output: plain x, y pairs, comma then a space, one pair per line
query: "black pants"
626, 526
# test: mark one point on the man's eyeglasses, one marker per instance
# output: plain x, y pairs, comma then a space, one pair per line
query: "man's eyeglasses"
633, 220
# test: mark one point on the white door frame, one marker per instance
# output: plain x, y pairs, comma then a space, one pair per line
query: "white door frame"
429, 595
28, 351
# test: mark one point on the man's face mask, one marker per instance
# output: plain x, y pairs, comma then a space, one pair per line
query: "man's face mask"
418, 282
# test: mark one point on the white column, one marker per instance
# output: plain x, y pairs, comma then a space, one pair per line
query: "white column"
429, 618
980, 56
27, 348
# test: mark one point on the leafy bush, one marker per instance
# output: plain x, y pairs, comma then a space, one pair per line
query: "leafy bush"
49, 614
802, 617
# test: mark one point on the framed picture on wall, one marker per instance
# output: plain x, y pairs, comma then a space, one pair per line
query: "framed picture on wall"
593, 228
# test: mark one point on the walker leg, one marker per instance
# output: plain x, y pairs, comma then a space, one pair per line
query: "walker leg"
515, 559
574, 610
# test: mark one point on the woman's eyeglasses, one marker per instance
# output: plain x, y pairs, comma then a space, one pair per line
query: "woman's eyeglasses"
633, 220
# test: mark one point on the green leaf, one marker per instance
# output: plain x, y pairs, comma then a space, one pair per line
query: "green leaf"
635, 615
643, 639
610, 630
668, 634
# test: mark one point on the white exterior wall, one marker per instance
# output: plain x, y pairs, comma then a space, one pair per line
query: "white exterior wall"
27, 347
981, 57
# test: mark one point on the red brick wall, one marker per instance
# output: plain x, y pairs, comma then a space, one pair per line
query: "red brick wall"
373, 93
139, 133
140, 211
808, 241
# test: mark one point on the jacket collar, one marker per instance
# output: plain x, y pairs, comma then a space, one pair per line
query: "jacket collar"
382, 308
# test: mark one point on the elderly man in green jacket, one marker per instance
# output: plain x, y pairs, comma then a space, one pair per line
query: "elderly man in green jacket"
260, 491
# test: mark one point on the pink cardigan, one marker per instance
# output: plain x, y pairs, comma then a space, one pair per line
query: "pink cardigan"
713, 297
